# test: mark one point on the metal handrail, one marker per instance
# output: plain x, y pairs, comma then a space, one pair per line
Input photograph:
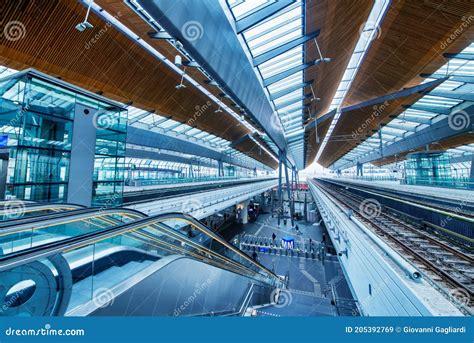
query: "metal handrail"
34, 253
70, 215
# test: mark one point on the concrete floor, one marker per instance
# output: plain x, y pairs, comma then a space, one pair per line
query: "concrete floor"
312, 281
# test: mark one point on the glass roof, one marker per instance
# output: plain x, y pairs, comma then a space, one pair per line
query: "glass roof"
413, 120
280, 28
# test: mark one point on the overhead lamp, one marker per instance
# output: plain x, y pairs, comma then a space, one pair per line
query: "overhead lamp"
321, 58
85, 24
178, 60
181, 84
313, 97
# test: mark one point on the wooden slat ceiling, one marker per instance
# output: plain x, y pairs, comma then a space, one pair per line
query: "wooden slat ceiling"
411, 41
340, 22
251, 149
452, 142
340, 25
356, 125
103, 60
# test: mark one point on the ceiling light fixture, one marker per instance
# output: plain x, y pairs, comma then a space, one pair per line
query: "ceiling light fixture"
181, 84
321, 58
85, 24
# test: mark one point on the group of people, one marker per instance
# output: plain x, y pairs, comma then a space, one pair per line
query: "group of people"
323, 242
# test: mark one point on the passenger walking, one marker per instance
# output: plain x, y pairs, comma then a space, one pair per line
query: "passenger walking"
255, 256
273, 237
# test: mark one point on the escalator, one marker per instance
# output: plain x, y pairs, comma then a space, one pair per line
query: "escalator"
163, 265
12, 210
26, 232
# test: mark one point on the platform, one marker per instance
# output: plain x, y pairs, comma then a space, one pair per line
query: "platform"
463, 195
311, 281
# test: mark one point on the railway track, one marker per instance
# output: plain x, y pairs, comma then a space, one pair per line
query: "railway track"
449, 268
448, 206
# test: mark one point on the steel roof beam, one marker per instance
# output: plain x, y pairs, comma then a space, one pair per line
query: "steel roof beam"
258, 16
290, 102
469, 96
268, 55
284, 74
461, 56
426, 108
147, 138
289, 90
452, 77
213, 47
436, 132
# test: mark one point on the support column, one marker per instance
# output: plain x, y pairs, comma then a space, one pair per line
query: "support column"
305, 210
81, 167
280, 195
471, 176
4, 156
360, 169
290, 200
221, 168
244, 212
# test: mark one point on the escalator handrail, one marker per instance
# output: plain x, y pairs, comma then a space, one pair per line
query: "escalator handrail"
18, 223
39, 204
222, 240
43, 251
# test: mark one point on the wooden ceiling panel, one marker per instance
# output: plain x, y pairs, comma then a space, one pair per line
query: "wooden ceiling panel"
412, 39
359, 122
251, 149
102, 59
340, 22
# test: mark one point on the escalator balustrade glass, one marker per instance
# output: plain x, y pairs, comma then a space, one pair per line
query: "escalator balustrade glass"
90, 270
21, 237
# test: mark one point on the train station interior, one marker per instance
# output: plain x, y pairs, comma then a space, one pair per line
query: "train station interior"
275, 158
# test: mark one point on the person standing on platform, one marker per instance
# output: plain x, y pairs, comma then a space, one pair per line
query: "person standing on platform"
254, 255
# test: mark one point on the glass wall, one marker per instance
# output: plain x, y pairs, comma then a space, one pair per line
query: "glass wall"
428, 168
36, 124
